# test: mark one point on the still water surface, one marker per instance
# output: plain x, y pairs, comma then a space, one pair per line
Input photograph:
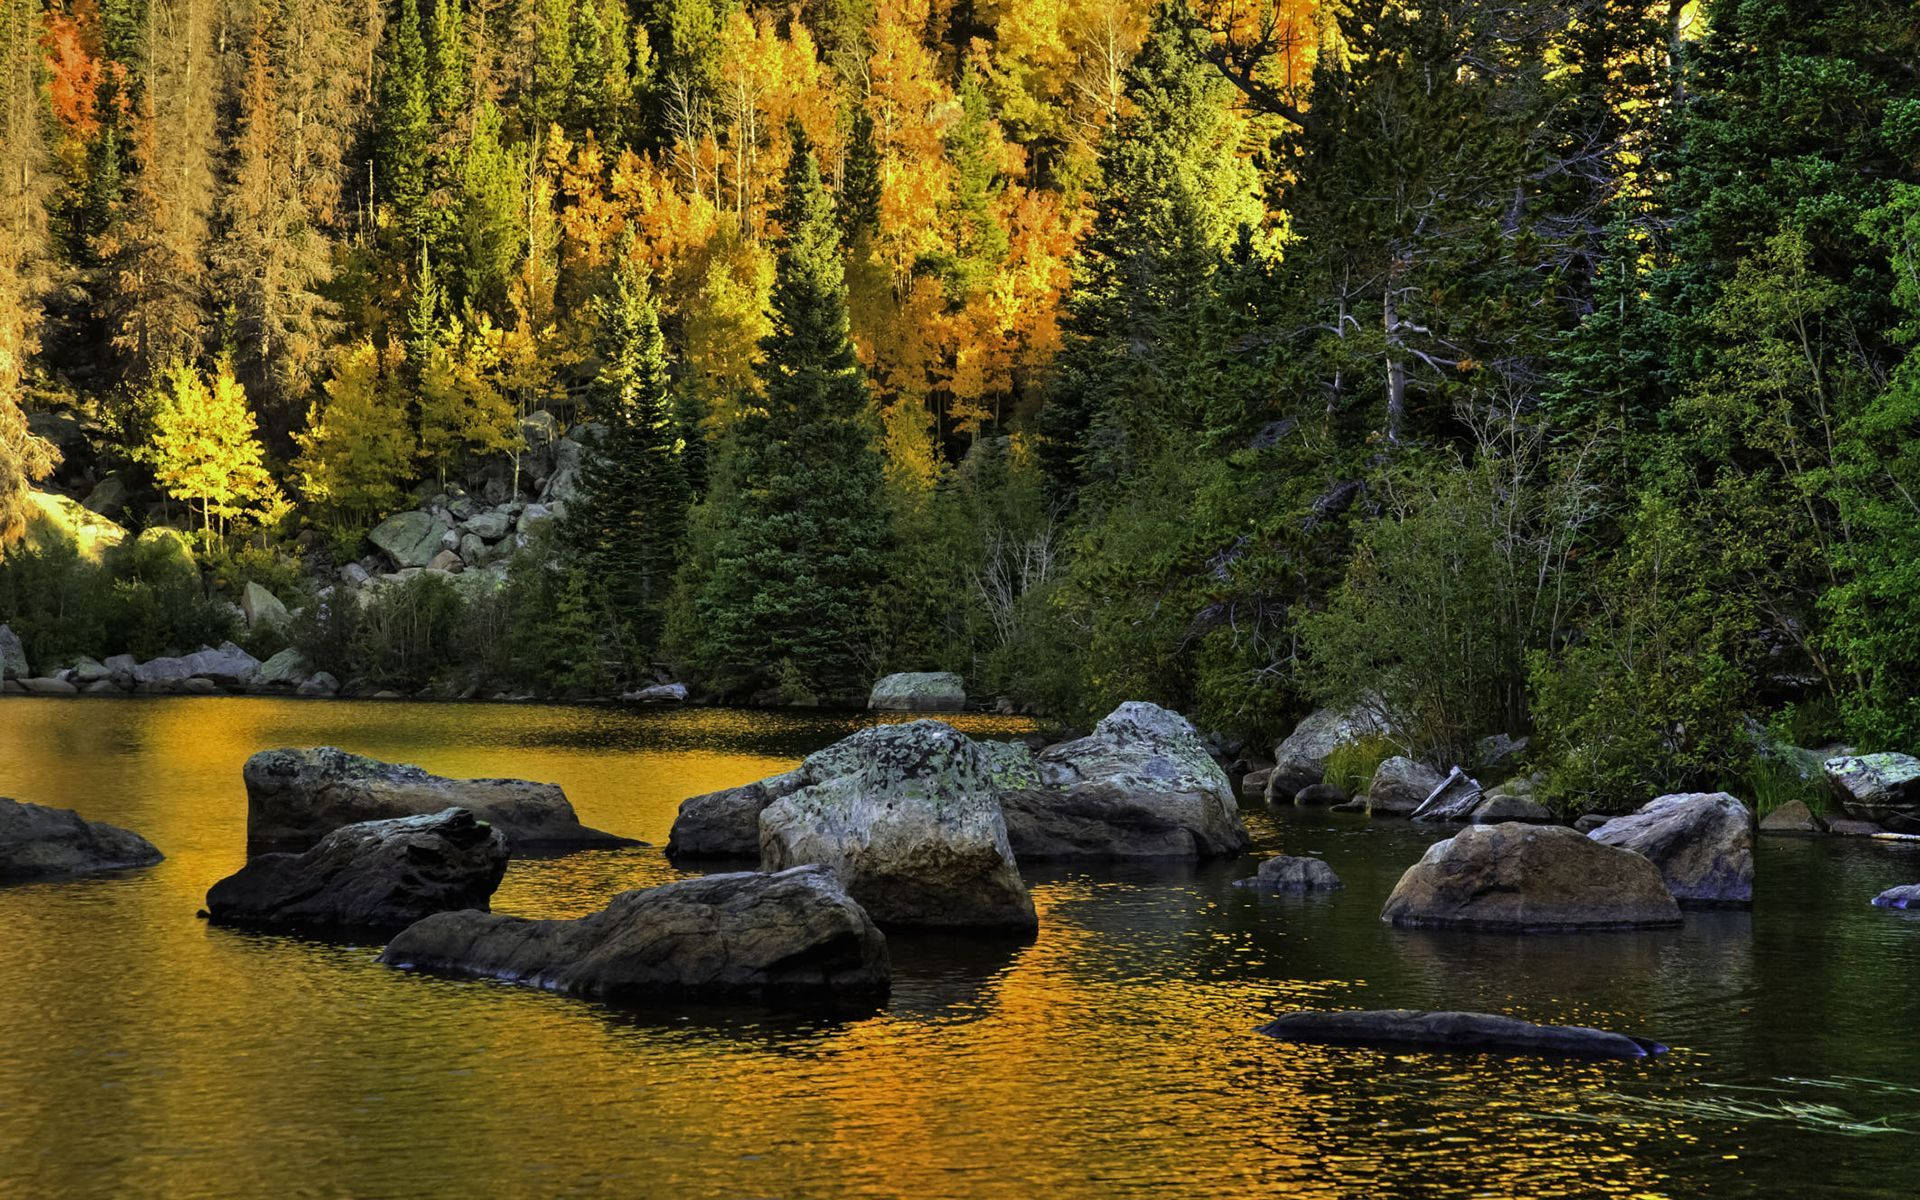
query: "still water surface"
146, 1054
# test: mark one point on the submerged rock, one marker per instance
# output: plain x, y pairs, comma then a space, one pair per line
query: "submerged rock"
1702, 842
37, 842
1142, 785
1530, 878
1882, 788
912, 827
1287, 874
376, 875
918, 691
1905, 896
744, 938
296, 797
1480, 1032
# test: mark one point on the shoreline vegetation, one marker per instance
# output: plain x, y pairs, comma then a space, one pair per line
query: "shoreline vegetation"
1538, 375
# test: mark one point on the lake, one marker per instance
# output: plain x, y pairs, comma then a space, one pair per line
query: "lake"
148, 1054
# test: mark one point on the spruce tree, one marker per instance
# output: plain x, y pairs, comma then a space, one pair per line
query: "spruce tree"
403, 124
801, 531
630, 516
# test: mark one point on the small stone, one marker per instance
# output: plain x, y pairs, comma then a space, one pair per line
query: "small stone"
1289, 874
1792, 817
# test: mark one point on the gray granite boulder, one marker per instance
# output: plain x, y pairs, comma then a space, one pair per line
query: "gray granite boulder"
1141, 785
37, 842
1300, 760
297, 797
1905, 896
1702, 842
726, 823
1530, 878
659, 693
285, 669
1467, 1031
918, 691
1882, 788
1792, 817
376, 876
1284, 873
736, 938
913, 830
1400, 786
261, 608
410, 539
48, 685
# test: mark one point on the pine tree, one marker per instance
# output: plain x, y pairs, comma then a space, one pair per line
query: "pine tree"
860, 180
630, 516
801, 532
24, 257
403, 121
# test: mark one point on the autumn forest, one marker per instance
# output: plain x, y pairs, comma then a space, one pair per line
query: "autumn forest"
1538, 368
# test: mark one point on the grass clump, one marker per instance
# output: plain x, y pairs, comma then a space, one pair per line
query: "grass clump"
1351, 765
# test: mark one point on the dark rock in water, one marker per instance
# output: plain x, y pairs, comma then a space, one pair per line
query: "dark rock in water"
726, 823
379, 876
1904, 896
913, 829
1253, 785
1848, 827
1882, 788
1792, 817
1315, 795
1140, 786
37, 842
743, 938
1478, 1032
1701, 841
1289, 874
1530, 878
297, 797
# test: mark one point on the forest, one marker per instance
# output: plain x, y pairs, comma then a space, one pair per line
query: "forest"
1545, 367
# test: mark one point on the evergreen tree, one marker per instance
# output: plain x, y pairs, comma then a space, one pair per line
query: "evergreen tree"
860, 180
403, 122
801, 531
630, 516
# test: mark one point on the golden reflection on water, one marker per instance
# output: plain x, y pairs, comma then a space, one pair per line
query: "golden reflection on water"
150, 1055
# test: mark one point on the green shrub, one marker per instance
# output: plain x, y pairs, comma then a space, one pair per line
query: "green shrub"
1351, 765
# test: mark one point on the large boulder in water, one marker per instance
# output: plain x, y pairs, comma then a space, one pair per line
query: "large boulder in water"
912, 827
1300, 760
1530, 878
741, 938
297, 797
1883, 788
1483, 1032
1142, 785
379, 876
37, 842
918, 691
1702, 842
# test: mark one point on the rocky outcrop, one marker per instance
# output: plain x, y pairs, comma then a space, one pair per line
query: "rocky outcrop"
1530, 878
1882, 788
376, 876
1479, 1032
1905, 896
912, 827
1288, 874
1702, 842
297, 797
1792, 817
740, 938
37, 842
918, 691
1300, 760
1400, 786
1142, 785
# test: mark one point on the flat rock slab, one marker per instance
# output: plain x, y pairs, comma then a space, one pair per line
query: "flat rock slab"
1516, 878
1904, 896
1456, 1031
377, 876
745, 937
40, 843
297, 797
